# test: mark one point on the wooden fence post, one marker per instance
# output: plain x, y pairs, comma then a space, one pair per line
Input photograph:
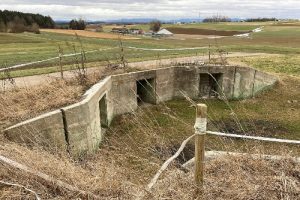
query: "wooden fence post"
200, 129
209, 54
60, 55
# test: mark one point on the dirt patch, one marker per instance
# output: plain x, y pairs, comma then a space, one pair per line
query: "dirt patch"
167, 151
89, 34
253, 127
196, 37
197, 31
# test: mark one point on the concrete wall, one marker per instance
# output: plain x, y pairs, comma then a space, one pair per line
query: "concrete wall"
262, 82
83, 119
243, 84
46, 130
186, 82
227, 82
124, 88
77, 127
248, 82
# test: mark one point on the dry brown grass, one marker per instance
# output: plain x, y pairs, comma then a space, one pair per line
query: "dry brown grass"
107, 175
19, 104
89, 34
95, 174
134, 148
24, 103
234, 177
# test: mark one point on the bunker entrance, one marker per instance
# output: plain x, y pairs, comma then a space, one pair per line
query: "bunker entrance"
146, 91
210, 85
103, 112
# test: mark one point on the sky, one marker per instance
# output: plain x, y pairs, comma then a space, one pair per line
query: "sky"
159, 9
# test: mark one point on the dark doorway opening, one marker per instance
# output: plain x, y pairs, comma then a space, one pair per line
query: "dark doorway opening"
103, 112
146, 91
210, 85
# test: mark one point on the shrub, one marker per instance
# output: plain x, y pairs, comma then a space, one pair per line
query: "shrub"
34, 28
155, 25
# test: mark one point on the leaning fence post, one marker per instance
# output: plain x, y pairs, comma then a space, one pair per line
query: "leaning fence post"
200, 129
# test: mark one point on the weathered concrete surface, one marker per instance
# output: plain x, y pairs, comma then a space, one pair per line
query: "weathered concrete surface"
46, 130
124, 88
186, 82
165, 80
78, 126
124, 93
83, 123
263, 81
244, 81
225, 85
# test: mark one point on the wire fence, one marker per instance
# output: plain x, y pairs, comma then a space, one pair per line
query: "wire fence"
200, 132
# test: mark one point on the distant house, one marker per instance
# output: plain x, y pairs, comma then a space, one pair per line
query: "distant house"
149, 33
136, 31
164, 32
122, 30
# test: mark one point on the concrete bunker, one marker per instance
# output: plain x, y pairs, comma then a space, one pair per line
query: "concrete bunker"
103, 112
79, 127
210, 85
145, 90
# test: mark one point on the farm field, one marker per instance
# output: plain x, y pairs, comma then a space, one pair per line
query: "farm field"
17, 49
84, 33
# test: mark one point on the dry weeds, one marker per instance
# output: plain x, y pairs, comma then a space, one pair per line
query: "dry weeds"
104, 175
134, 148
234, 178
24, 103
18, 104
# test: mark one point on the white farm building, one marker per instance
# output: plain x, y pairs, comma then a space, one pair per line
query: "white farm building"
164, 32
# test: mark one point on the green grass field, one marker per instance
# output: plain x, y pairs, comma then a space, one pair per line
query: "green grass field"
23, 48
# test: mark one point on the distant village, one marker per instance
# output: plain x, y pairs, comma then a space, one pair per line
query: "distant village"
124, 30
135, 31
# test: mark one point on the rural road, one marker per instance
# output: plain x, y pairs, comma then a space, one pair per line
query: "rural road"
47, 78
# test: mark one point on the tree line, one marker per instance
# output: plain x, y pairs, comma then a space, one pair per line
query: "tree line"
18, 22
79, 24
261, 19
216, 18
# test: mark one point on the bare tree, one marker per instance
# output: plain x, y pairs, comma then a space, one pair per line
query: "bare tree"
155, 25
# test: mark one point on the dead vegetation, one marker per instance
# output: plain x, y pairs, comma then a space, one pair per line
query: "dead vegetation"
129, 158
20, 104
133, 150
135, 147
234, 178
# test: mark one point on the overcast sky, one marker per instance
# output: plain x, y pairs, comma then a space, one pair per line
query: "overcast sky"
160, 9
